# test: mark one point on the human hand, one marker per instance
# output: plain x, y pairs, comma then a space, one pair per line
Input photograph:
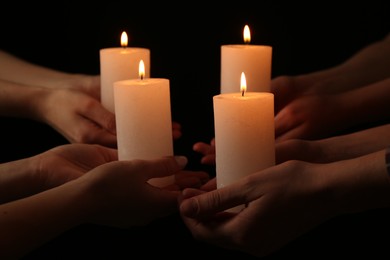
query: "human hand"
47, 170
88, 84
79, 117
120, 195
207, 150
335, 148
176, 130
311, 117
285, 201
96, 189
68, 162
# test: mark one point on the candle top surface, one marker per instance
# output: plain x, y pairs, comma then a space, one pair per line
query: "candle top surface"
140, 82
246, 46
247, 95
125, 49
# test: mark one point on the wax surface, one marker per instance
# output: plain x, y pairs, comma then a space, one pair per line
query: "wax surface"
117, 64
244, 135
143, 120
254, 60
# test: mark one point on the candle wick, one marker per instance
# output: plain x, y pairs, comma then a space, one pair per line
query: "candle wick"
242, 93
142, 77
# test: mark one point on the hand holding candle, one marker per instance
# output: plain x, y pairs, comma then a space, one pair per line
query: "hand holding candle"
244, 134
120, 63
143, 120
253, 60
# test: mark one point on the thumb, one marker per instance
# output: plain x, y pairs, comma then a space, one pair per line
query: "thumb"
102, 117
205, 204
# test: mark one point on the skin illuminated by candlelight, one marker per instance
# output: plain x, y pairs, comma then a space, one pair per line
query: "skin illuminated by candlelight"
143, 118
244, 134
68, 102
48, 194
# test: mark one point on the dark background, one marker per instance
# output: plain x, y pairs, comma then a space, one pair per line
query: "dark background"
185, 39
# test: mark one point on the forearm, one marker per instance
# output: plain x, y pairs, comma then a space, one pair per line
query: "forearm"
359, 184
17, 100
367, 105
369, 65
30, 222
355, 144
18, 179
17, 70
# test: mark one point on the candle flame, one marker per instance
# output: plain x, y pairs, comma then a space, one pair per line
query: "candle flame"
141, 69
124, 39
247, 34
243, 84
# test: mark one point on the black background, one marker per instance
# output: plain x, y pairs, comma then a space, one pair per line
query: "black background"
185, 39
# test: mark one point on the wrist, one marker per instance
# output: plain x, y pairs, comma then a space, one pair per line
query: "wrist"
362, 183
18, 179
38, 104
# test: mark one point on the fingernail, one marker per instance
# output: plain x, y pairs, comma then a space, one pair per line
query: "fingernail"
181, 161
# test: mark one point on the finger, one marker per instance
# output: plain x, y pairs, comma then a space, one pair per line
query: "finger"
110, 154
176, 125
295, 133
157, 168
188, 181
101, 116
284, 122
89, 132
176, 130
176, 134
188, 193
201, 147
210, 203
210, 185
191, 192
208, 159
203, 177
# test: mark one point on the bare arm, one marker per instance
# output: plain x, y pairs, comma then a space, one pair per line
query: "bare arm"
370, 64
335, 148
368, 104
115, 194
323, 115
15, 69
357, 71
30, 222
19, 100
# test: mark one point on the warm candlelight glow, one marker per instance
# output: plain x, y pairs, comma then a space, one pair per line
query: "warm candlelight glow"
243, 84
141, 69
255, 60
124, 39
247, 34
143, 121
120, 63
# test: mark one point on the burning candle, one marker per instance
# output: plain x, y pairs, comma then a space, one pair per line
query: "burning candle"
244, 134
143, 120
120, 63
254, 60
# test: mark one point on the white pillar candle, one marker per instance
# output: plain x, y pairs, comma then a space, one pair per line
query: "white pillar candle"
120, 63
254, 60
143, 121
244, 135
